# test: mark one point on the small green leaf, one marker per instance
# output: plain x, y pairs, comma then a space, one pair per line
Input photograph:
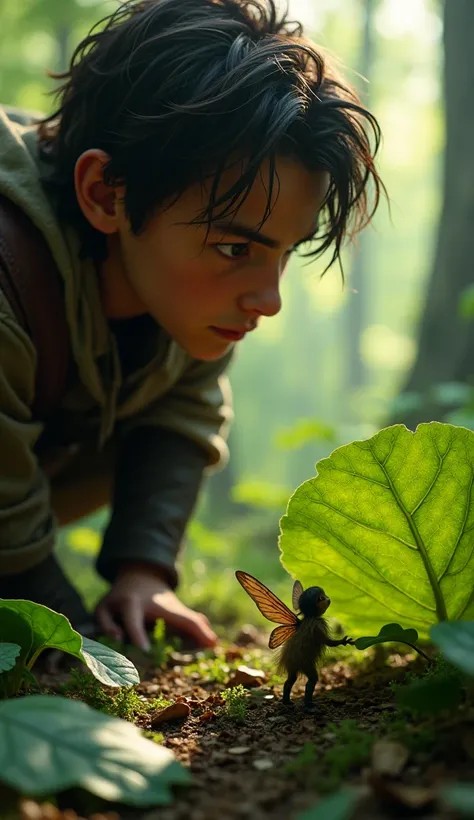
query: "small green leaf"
460, 796
338, 806
108, 666
51, 743
389, 632
15, 629
432, 695
8, 655
456, 641
386, 528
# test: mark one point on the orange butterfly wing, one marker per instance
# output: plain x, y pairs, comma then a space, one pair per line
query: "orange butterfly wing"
281, 634
269, 605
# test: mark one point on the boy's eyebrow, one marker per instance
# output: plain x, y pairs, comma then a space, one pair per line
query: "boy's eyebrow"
254, 236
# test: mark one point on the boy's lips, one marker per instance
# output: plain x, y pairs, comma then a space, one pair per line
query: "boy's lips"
231, 334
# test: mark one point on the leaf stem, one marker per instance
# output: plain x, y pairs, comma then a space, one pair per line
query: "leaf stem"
420, 651
34, 657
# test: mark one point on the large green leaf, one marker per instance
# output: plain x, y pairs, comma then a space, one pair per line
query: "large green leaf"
109, 666
387, 527
50, 743
51, 630
8, 654
456, 640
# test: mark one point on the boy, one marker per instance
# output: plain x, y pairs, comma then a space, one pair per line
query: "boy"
196, 145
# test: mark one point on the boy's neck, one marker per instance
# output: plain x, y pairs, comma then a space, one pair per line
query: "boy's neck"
119, 299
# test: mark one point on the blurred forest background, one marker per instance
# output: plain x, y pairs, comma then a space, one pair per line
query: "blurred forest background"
339, 362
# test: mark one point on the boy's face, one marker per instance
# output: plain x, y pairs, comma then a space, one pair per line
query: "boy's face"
208, 291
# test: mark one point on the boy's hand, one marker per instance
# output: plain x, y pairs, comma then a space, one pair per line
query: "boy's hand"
139, 595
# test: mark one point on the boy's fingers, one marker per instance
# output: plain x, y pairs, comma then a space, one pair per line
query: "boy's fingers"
194, 625
134, 622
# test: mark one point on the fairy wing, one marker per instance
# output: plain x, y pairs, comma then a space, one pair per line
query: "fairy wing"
297, 592
269, 605
281, 634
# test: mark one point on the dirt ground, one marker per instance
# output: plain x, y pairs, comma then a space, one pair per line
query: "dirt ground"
275, 761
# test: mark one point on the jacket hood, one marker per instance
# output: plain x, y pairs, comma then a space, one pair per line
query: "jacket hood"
93, 345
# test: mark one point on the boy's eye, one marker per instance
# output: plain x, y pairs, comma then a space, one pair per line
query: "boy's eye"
233, 250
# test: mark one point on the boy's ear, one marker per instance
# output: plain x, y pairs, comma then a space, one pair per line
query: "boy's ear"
98, 201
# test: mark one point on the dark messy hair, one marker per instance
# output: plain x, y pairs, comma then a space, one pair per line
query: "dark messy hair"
175, 90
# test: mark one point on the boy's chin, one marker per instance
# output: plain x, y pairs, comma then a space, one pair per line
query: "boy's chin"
207, 348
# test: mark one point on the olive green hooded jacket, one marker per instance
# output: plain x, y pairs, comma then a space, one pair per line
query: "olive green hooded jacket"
169, 390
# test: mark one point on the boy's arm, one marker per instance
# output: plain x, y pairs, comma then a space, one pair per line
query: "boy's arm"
27, 528
163, 454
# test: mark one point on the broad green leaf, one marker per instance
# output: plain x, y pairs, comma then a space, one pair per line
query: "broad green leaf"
50, 743
386, 527
431, 695
108, 666
52, 630
338, 806
49, 628
389, 632
460, 796
8, 654
456, 641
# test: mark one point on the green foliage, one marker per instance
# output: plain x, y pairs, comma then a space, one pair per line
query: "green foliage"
460, 797
303, 763
35, 627
385, 527
161, 648
303, 432
432, 695
260, 494
235, 703
338, 806
8, 655
76, 746
466, 303
122, 703
456, 640
351, 748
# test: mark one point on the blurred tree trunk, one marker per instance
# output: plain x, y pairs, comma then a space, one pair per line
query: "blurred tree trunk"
355, 313
446, 341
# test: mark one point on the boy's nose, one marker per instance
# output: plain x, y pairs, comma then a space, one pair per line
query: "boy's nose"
265, 302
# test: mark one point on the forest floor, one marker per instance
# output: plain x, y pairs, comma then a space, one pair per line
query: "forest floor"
252, 757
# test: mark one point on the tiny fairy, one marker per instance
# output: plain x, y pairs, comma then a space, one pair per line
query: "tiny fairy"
303, 640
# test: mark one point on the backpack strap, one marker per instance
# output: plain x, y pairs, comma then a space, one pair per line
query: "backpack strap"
32, 284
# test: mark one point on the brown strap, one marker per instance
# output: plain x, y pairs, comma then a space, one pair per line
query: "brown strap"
31, 282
